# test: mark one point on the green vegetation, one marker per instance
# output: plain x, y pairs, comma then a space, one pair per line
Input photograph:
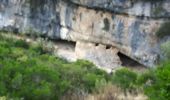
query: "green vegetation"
106, 24
165, 48
157, 87
155, 82
125, 79
158, 10
164, 30
29, 72
26, 71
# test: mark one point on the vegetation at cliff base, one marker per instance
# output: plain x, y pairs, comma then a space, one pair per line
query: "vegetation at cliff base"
29, 72
26, 71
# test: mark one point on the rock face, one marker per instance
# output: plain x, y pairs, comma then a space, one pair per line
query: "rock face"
128, 26
101, 55
149, 8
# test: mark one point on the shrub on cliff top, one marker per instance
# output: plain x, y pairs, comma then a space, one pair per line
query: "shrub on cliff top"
164, 30
165, 49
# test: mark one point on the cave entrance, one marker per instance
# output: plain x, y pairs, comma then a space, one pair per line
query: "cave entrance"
65, 45
128, 62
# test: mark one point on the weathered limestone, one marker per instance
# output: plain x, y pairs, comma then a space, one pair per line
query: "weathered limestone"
27, 16
129, 26
101, 55
132, 36
148, 8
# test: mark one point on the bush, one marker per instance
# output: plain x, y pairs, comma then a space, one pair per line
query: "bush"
125, 79
22, 44
37, 48
4, 52
159, 86
82, 74
145, 78
164, 30
28, 72
30, 82
165, 48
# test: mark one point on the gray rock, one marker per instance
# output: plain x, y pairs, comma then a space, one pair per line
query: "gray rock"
131, 29
131, 7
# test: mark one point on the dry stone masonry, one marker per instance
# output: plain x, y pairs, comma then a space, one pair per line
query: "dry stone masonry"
126, 26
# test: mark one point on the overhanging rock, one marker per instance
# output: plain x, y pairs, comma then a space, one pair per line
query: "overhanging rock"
131, 26
101, 55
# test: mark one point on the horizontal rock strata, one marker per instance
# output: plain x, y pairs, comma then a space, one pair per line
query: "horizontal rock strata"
128, 26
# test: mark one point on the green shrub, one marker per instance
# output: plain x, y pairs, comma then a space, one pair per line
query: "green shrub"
144, 78
30, 82
83, 74
37, 48
28, 72
106, 24
159, 86
90, 80
158, 10
165, 49
22, 44
4, 52
17, 52
164, 30
125, 78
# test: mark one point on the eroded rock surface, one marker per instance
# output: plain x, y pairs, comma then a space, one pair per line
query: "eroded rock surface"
100, 55
129, 26
149, 8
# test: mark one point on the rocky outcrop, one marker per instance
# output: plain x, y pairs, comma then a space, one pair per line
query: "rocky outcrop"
104, 57
30, 16
129, 26
147, 8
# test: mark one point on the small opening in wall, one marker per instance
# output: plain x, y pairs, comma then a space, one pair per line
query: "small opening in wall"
97, 44
64, 44
108, 47
16, 31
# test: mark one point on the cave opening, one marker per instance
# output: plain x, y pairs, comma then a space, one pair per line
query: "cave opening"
65, 45
129, 62
108, 47
97, 44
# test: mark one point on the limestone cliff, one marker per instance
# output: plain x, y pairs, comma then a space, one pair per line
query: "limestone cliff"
128, 26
